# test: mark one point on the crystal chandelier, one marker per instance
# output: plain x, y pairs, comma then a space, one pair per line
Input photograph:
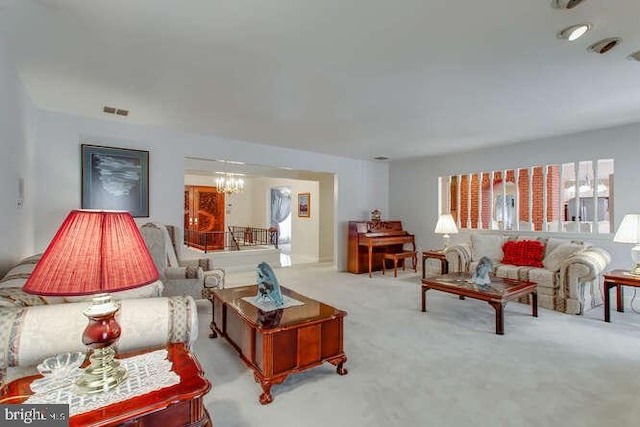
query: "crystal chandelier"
229, 184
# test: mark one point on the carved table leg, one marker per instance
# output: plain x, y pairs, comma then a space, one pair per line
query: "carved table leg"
213, 333
266, 384
499, 307
212, 325
265, 397
339, 364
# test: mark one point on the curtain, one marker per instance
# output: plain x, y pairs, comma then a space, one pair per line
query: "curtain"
280, 206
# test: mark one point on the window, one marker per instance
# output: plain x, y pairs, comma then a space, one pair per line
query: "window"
572, 197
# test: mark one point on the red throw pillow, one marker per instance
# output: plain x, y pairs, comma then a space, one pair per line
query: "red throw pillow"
511, 251
523, 253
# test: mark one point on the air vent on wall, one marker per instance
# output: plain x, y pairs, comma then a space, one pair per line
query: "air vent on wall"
114, 110
605, 45
565, 4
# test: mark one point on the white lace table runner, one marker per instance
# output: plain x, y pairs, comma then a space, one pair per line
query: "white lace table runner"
269, 305
147, 372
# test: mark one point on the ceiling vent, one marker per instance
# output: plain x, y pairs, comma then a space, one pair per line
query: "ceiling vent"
605, 45
565, 4
113, 110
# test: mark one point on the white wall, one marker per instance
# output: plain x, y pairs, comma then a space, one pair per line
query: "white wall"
17, 129
305, 232
362, 185
414, 195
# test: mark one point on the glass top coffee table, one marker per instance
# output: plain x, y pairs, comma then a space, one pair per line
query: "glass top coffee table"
497, 294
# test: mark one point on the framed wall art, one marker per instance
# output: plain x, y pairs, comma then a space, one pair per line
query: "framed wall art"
115, 179
304, 205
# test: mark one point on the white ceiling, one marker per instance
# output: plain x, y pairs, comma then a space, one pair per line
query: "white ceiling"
354, 78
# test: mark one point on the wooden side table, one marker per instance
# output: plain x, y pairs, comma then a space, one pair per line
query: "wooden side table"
175, 406
437, 254
617, 278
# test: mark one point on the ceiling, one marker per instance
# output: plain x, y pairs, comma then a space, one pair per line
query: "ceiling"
353, 78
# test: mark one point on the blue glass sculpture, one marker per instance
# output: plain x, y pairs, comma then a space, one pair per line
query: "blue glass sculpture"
268, 286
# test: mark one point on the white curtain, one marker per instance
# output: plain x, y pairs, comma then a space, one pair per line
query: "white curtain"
281, 211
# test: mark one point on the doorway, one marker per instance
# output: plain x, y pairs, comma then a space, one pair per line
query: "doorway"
203, 217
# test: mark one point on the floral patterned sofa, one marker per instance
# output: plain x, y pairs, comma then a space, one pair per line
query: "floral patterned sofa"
33, 328
568, 272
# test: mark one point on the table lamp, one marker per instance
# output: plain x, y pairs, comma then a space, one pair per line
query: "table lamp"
94, 253
629, 232
446, 225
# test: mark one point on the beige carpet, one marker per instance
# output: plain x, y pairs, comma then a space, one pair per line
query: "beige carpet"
445, 367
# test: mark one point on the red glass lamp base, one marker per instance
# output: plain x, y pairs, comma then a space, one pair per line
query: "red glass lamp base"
104, 372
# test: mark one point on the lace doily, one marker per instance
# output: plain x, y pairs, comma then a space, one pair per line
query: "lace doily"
269, 305
147, 372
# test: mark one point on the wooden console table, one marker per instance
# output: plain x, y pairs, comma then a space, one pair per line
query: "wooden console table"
278, 343
175, 406
617, 278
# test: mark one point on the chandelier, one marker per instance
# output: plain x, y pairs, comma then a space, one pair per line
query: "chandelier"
229, 184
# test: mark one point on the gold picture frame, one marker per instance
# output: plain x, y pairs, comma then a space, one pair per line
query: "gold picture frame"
304, 205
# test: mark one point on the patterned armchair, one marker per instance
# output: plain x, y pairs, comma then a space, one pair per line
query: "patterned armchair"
192, 277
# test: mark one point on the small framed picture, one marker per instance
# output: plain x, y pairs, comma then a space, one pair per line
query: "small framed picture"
115, 179
304, 205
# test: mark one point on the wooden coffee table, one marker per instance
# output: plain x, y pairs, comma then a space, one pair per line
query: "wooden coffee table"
497, 294
175, 406
278, 343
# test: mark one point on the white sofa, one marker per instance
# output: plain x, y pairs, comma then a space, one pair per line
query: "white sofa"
33, 328
568, 281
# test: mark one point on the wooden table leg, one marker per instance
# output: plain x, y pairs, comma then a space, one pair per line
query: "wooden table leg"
424, 261
620, 298
499, 307
212, 325
424, 298
395, 266
339, 364
534, 303
370, 256
607, 301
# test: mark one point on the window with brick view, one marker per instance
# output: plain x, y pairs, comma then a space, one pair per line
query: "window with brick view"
574, 197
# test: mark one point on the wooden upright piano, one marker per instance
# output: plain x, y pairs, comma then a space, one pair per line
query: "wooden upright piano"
368, 240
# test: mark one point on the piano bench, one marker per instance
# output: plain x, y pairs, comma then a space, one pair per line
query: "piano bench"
395, 256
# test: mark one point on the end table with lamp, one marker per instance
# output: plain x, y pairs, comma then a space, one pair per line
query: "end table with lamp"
177, 405
617, 279
628, 232
446, 225
435, 254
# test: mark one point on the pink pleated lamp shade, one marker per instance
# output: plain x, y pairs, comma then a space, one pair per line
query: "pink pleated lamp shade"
93, 252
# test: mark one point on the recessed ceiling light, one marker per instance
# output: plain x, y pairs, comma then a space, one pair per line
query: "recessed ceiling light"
635, 56
565, 4
574, 32
605, 45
